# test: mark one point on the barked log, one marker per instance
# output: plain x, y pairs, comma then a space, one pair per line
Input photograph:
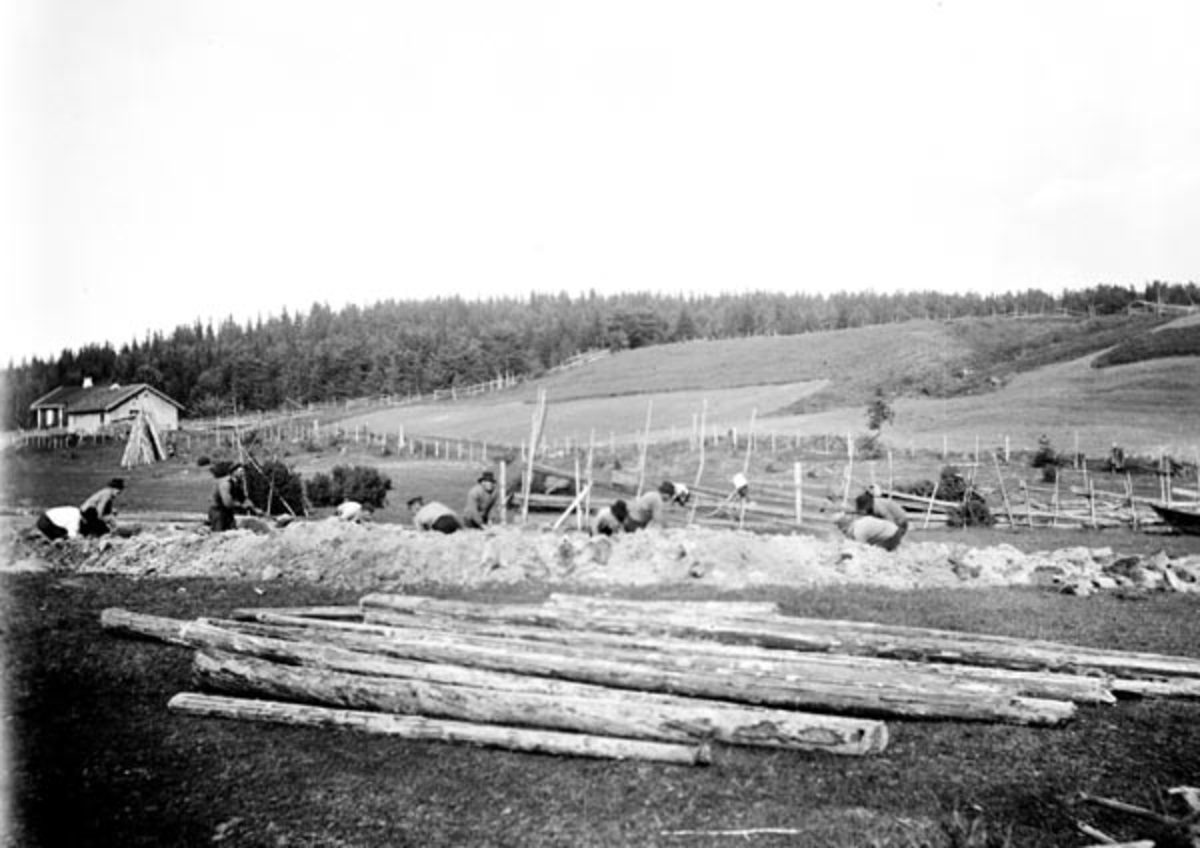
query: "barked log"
441, 730
591, 604
822, 684
830, 636
683, 720
349, 612
136, 625
1176, 687
684, 654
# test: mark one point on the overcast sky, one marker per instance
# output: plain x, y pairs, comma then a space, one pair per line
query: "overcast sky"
167, 160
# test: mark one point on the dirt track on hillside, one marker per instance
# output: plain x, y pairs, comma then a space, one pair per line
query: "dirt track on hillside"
393, 558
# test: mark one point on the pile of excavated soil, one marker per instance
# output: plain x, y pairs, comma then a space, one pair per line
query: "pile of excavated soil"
389, 557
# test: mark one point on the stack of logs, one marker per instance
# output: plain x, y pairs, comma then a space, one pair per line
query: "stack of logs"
658, 680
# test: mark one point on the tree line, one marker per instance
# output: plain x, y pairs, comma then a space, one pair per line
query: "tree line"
405, 347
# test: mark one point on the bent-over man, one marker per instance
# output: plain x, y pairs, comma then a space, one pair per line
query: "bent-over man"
99, 510
651, 507
610, 520
433, 516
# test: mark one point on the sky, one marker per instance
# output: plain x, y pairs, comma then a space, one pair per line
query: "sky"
172, 160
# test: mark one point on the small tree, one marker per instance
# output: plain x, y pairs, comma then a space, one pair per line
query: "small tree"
356, 483
879, 412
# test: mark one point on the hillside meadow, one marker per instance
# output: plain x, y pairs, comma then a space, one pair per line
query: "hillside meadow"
820, 384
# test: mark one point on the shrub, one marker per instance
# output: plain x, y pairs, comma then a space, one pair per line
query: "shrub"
953, 487
1046, 454
879, 412
275, 488
354, 483
869, 446
974, 512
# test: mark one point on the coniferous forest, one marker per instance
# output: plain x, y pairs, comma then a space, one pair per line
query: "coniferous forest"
399, 347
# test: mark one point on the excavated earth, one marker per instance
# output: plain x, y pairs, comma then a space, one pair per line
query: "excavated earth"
383, 557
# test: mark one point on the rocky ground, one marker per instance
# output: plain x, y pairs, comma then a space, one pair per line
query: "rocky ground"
377, 557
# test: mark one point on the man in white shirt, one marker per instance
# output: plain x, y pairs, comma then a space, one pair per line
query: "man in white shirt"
351, 511
60, 522
433, 516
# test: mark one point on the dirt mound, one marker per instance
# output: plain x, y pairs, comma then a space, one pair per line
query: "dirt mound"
390, 557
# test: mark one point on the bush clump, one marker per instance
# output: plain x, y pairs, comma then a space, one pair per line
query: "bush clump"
1047, 456
972, 509
349, 483
275, 488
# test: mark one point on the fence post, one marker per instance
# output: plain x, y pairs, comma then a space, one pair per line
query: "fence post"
798, 480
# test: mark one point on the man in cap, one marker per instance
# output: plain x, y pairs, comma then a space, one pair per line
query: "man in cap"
610, 520
98, 513
481, 500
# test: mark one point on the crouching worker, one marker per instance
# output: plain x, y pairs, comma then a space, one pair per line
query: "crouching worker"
352, 512
873, 503
229, 500
481, 500
651, 508
870, 530
433, 516
877, 521
610, 520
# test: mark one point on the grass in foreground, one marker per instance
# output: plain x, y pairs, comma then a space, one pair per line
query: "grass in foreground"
98, 760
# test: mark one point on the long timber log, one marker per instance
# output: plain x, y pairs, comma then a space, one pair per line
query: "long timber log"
440, 730
1082, 689
703, 609
821, 684
337, 613
830, 636
683, 720
685, 654
122, 622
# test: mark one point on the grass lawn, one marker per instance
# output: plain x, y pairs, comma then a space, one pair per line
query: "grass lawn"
98, 760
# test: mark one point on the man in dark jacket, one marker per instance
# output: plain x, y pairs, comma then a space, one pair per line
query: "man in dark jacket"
229, 499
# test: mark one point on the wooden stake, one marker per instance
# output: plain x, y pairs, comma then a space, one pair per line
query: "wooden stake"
932, 498
574, 506
749, 442
645, 448
582, 495
1004, 493
591, 453
798, 481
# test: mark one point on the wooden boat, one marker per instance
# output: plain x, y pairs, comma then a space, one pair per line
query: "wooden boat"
1183, 520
